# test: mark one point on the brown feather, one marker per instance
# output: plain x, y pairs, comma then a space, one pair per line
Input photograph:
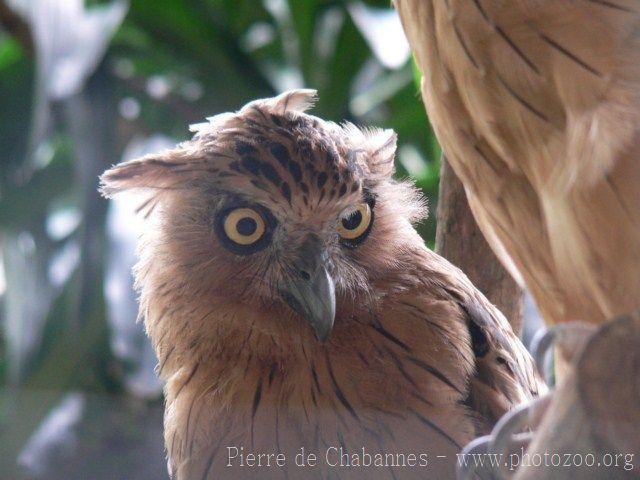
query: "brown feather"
418, 360
535, 103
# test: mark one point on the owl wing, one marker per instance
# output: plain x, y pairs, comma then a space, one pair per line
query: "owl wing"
502, 373
505, 374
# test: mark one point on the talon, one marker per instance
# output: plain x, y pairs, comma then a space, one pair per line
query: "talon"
469, 470
511, 428
571, 335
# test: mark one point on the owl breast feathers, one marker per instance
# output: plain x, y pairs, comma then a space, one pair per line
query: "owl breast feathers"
292, 304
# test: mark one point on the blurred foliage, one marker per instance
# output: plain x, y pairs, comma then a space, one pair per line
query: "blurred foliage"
171, 63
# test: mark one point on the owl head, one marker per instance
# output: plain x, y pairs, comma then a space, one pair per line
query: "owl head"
272, 210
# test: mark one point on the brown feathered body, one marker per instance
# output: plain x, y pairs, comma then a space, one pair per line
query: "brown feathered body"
536, 104
418, 360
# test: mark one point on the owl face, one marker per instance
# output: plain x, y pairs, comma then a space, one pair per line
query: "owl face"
278, 210
296, 253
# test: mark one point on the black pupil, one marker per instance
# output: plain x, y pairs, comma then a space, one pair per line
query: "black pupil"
352, 221
246, 226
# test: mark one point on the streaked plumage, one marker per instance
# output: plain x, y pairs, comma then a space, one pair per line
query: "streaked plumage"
417, 360
536, 105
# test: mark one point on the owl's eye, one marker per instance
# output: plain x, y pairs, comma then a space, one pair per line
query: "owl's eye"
355, 225
243, 229
244, 226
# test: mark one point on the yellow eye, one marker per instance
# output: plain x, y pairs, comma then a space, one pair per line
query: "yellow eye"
244, 226
354, 226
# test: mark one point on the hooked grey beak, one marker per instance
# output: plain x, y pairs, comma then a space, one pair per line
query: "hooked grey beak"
312, 294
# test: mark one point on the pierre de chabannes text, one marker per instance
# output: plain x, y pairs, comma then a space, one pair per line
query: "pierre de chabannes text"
333, 456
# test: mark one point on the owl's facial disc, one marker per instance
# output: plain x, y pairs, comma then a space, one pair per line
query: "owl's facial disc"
311, 293
302, 277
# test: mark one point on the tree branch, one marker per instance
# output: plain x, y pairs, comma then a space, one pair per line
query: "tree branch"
459, 240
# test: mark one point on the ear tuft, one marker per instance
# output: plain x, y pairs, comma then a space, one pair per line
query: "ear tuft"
379, 144
299, 100
155, 171
383, 145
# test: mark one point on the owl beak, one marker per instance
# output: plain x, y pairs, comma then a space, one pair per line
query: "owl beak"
312, 295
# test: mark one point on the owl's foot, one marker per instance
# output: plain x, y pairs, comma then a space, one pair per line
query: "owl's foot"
588, 427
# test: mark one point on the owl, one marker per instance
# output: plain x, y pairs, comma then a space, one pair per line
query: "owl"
537, 104
301, 325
